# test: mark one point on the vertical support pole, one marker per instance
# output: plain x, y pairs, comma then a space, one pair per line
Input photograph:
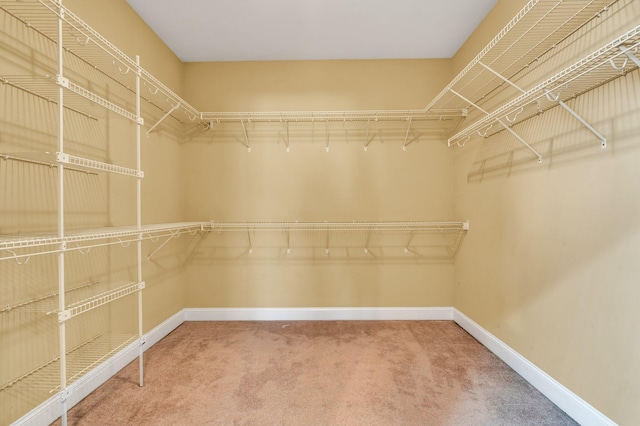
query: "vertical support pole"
139, 223
61, 254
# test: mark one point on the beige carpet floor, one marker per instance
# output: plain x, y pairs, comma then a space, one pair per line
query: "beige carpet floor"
318, 373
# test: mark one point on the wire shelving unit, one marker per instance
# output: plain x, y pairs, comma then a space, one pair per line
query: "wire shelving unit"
613, 60
428, 240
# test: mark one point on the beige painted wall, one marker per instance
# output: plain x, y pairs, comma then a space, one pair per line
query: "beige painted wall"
226, 183
550, 266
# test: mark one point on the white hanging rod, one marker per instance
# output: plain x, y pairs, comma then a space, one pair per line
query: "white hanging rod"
587, 73
324, 116
537, 28
340, 226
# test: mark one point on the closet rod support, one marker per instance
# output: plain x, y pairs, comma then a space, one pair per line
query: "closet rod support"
501, 77
628, 51
556, 98
406, 136
366, 137
168, 113
246, 136
164, 243
522, 141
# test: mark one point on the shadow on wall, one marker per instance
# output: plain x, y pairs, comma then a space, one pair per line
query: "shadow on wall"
612, 109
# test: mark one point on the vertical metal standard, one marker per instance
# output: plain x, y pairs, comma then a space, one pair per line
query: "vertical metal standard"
61, 298
139, 223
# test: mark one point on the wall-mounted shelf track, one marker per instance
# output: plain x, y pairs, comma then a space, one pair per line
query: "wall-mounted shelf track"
611, 61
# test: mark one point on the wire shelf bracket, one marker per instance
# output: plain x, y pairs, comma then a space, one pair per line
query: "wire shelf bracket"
556, 98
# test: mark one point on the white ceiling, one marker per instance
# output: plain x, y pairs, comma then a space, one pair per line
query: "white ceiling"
256, 30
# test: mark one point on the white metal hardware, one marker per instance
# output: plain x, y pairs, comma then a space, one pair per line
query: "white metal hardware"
246, 137
630, 52
286, 135
556, 98
406, 136
64, 316
326, 148
168, 113
501, 77
506, 127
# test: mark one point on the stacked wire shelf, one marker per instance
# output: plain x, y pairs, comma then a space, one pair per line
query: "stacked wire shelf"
507, 82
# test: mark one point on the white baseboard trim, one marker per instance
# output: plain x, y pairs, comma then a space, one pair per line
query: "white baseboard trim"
51, 409
574, 406
317, 314
569, 402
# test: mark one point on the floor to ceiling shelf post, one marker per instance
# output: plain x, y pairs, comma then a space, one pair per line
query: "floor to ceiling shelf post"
61, 254
139, 224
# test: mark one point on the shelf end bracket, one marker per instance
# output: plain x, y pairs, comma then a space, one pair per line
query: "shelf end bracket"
556, 98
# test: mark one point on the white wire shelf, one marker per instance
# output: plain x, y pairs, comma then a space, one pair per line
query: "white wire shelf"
86, 239
46, 87
537, 28
335, 240
322, 116
599, 67
79, 299
52, 159
97, 300
82, 41
338, 226
45, 379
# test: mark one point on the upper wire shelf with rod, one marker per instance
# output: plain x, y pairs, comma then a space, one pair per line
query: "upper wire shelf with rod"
327, 241
496, 72
614, 59
21, 247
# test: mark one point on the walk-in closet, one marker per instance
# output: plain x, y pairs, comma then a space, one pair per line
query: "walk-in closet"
149, 190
